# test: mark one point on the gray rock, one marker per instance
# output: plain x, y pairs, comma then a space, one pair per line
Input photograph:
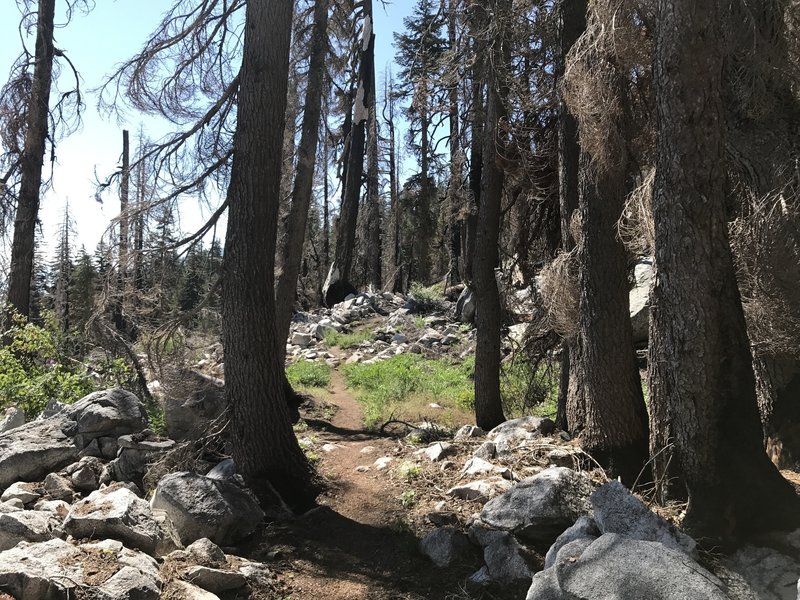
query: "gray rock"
615, 567
541, 507
468, 432
59, 508
58, 487
478, 466
771, 574
616, 510
544, 586
445, 546
640, 301
505, 562
136, 453
193, 405
206, 553
486, 451
108, 413
54, 570
437, 451
31, 451
25, 525
13, 417
12, 505
215, 580
301, 339
225, 469
84, 479
584, 529
27, 493
481, 490
201, 507
465, 306
183, 590
115, 512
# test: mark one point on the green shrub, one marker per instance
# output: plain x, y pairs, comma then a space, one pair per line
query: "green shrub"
308, 373
427, 297
35, 369
346, 341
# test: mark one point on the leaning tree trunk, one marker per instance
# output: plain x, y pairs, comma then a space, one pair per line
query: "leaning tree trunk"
610, 415
297, 221
263, 444
337, 284
700, 362
571, 26
488, 319
21, 267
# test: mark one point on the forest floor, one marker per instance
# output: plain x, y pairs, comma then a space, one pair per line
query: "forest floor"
361, 542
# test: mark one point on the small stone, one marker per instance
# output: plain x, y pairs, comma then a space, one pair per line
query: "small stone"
382, 463
25, 492
215, 580
368, 450
58, 487
84, 480
361, 469
206, 552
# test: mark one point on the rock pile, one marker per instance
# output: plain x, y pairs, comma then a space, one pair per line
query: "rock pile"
72, 516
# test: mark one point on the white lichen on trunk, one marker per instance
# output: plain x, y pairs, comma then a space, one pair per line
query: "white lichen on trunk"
367, 33
361, 111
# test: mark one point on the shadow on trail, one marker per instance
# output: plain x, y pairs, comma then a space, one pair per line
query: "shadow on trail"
385, 559
356, 435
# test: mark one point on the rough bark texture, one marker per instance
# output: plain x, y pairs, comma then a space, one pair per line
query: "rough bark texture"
296, 224
613, 421
337, 285
454, 198
488, 319
476, 154
374, 257
21, 267
700, 364
571, 25
262, 442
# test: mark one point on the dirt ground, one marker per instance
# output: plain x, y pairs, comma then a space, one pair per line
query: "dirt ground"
360, 543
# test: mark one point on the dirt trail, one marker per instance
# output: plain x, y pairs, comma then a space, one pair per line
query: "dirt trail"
354, 546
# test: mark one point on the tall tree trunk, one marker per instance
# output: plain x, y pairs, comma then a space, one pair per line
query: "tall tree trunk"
700, 364
454, 199
475, 157
572, 24
21, 266
296, 223
118, 309
611, 416
338, 285
395, 259
263, 444
488, 320
374, 256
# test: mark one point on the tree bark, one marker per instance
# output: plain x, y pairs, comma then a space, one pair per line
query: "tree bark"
374, 254
338, 285
297, 221
263, 444
572, 24
454, 196
610, 417
21, 266
700, 364
488, 320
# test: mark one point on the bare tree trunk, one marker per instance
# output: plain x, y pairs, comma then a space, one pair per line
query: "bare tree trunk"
374, 257
572, 23
475, 158
118, 308
338, 285
395, 259
297, 221
488, 320
263, 444
21, 266
454, 199
700, 364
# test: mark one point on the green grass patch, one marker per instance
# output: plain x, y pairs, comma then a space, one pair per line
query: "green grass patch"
403, 386
345, 341
306, 373
427, 297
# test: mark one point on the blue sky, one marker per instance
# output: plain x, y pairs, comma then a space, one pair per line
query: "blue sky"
113, 31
